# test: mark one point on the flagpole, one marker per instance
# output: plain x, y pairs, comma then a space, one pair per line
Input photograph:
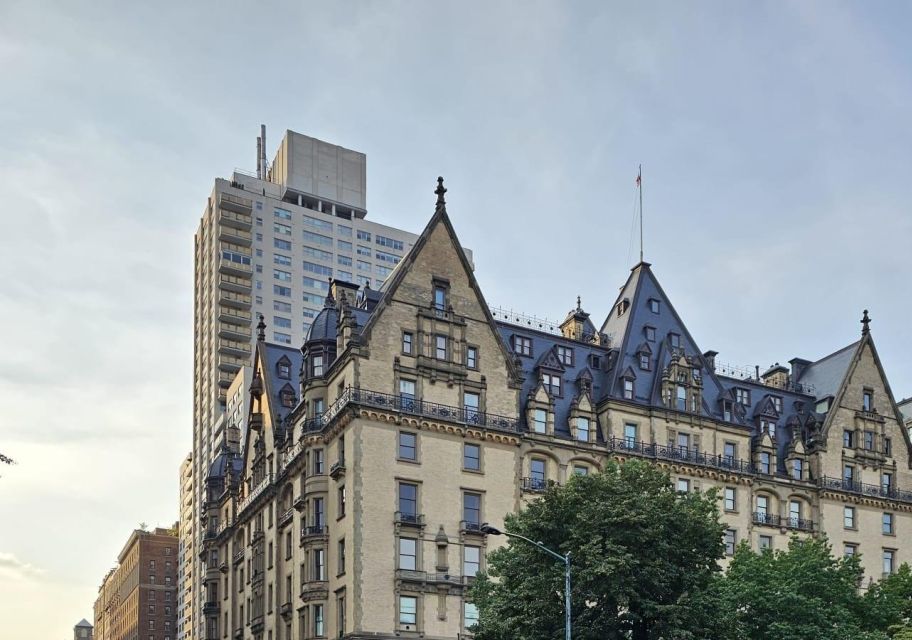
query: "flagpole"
640, 187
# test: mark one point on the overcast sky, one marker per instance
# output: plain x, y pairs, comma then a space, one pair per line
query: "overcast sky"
776, 151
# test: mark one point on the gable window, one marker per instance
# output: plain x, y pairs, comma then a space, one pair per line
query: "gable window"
769, 427
653, 305
675, 340
742, 397
628, 389
539, 420
867, 400
287, 397
440, 297
440, 347
681, 398
522, 345
582, 429
848, 438
472, 357
650, 333
565, 355
407, 343
552, 383
644, 361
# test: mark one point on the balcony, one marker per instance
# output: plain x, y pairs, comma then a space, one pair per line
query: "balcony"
254, 494
314, 590
210, 608
231, 202
337, 469
299, 504
233, 219
799, 524
285, 610
235, 235
409, 519
314, 533
236, 332
233, 283
234, 300
238, 557
860, 488
285, 518
424, 577
234, 268
239, 634
257, 624
682, 454
411, 406
534, 485
470, 527
234, 349
235, 316
229, 363
767, 519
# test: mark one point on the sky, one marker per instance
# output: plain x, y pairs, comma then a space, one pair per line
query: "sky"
776, 152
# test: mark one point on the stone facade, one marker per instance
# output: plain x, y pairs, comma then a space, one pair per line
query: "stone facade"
353, 506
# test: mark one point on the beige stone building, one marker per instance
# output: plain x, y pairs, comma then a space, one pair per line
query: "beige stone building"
415, 413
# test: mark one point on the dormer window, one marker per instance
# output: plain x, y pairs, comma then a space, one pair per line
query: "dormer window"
565, 355
622, 307
742, 397
595, 361
767, 426
283, 369
628, 389
696, 374
644, 362
727, 410
287, 397
650, 333
653, 305
522, 346
777, 403
675, 340
681, 398
317, 365
552, 383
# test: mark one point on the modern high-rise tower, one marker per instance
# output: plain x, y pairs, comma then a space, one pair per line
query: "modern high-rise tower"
268, 243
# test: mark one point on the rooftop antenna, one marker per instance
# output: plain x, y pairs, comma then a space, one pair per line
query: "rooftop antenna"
640, 189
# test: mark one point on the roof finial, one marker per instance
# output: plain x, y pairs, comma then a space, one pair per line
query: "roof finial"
261, 328
329, 301
440, 190
578, 303
865, 321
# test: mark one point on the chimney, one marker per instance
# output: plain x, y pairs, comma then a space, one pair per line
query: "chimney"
263, 150
259, 157
776, 376
340, 288
710, 359
799, 366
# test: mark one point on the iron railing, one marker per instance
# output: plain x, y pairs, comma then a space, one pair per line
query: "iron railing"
770, 519
410, 519
683, 454
852, 486
534, 485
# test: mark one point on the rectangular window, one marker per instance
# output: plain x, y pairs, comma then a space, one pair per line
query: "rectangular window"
408, 607
888, 446
279, 259
340, 557
317, 365
364, 266
867, 401
318, 462
848, 517
580, 470
650, 333
886, 482
364, 251
407, 343
683, 485
470, 402
407, 394
730, 499
727, 410
382, 271
408, 499
848, 475
408, 446
628, 389
675, 340
341, 499
681, 398
318, 620
408, 554
869, 440
582, 429
849, 550
471, 457
316, 223
364, 235
522, 345
279, 321
319, 269
284, 276
729, 452
539, 420
389, 258
765, 542
742, 397
848, 438
888, 524
319, 564
440, 302
472, 357
284, 307
889, 557
730, 540
363, 281
471, 508
644, 361
794, 513
318, 239
440, 347
281, 338
537, 473
284, 245
345, 261
284, 214
281, 229
389, 242
319, 254
798, 469
471, 560
344, 245
630, 435
777, 403
764, 462
470, 614
279, 290
565, 355
552, 383
653, 305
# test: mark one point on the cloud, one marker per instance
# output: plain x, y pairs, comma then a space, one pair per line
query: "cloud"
14, 568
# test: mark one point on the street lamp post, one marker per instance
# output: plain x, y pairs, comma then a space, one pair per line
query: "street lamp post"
494, 531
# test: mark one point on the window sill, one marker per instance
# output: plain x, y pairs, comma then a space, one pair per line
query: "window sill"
407, 461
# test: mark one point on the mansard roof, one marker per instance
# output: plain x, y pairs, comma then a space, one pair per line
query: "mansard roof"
273, 384
826, 375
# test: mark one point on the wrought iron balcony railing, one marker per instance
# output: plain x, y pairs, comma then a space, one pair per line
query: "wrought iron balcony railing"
770, 519
852, 486
534, 485
683, 454
410, 519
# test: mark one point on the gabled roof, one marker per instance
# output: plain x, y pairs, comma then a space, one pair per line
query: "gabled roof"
549, 360
83, 623
826, 375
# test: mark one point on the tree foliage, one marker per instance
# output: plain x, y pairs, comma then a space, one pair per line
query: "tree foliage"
643, 555
801, 593
888, 603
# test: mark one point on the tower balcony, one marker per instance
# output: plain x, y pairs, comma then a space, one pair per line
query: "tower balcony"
236, 349
234, 332
241, 221
235, 300
235, 284
236, 236
238, 204
235, 316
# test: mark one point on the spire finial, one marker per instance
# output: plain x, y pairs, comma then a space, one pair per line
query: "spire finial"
261, 328
865, 321
578, 303
329, 301
440, 190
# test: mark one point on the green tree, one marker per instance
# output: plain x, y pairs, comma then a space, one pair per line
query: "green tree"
802, 593
888, 603
643, 559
